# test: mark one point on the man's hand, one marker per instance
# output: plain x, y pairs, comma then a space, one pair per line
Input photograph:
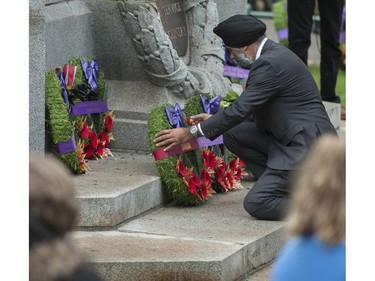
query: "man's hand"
195, 119
171, 137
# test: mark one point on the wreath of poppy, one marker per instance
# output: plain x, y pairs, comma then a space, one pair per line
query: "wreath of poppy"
186, 190
191, 177
95, 130
84, 136
228, 169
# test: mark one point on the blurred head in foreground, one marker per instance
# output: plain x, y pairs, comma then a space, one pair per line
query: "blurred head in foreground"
52, 213
318, 197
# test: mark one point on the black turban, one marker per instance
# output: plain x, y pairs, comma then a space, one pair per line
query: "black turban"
240, 30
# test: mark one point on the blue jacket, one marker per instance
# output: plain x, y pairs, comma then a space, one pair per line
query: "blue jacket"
308, 259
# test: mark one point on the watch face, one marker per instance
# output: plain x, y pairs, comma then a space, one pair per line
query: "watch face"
193, 129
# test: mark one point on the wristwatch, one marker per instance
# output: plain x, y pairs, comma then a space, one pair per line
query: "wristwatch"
193, 130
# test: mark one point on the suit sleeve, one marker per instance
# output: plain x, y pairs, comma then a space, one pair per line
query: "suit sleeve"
262, 86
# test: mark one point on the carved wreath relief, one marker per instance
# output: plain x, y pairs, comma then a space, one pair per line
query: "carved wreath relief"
175, 44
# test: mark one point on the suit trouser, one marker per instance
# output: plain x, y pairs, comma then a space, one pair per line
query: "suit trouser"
268, 198
300, 22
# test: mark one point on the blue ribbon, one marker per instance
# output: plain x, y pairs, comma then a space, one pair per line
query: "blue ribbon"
62, 84
175, 116
211, 106
91, 71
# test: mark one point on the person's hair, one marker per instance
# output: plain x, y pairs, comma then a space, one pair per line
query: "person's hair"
52, 203
53, 209
318, 193
54, 260
260, 39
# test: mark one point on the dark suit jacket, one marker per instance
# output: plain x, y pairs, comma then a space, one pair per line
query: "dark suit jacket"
286, 103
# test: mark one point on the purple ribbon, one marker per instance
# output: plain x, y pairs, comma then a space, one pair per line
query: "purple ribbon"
203, 142
175, 116
64, 92
282, 33
89, 107
211, 106
66, 146
342, 36
237, 72
91, 71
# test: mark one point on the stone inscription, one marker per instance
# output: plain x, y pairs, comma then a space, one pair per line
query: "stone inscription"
174, 23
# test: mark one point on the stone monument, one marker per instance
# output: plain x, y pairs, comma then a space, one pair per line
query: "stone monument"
152, 52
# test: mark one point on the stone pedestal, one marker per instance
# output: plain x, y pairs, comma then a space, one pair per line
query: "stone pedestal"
36, 76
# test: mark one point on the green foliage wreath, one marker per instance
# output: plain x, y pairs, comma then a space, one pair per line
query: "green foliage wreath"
92, 132
157, 122
192, 176
57, 120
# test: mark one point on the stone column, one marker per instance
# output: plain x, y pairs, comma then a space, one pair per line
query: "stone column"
36, 76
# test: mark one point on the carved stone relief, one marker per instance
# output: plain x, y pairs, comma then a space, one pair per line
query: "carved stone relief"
176, 46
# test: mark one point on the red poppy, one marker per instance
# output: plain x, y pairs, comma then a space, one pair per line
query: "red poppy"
90, 151
193, 183
220, 167
188, 120
105, 138
108, 122
85, 131
228, 179
100, 150
206, 185
233, 164
209, 160
204, 191
240, 173
206, 178
180, 167
93, 139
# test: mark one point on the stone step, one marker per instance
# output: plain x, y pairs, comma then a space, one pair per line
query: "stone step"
118, 188
129, 230
215, 241
131, 111
131, 134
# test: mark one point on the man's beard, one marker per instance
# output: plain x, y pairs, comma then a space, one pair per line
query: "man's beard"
242, 60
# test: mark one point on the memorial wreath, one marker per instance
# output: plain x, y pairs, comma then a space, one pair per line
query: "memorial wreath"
78, 120
195, 170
